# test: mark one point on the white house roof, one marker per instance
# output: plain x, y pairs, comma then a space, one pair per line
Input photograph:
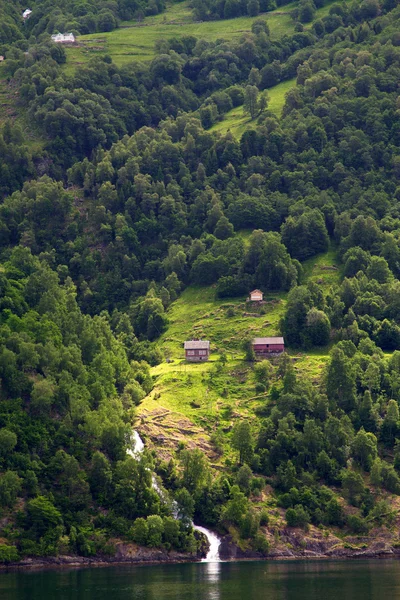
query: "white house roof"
256, 292
268, 340
197, 345
26, 13
63, 37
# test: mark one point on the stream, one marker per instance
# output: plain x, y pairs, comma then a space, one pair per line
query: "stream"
137, 447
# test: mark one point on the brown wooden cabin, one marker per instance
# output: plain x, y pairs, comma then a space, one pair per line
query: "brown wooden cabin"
197, 350
264, 347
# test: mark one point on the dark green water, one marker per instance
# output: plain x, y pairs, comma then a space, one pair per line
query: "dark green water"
344, 580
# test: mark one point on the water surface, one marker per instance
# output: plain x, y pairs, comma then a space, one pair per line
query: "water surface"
324, 580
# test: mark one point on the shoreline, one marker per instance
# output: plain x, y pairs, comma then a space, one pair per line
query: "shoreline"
78, 562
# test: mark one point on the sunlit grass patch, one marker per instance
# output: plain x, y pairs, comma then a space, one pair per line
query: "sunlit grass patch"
134, 41
237, 121
324, 269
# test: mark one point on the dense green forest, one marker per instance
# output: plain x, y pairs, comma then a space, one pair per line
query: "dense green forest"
117, 197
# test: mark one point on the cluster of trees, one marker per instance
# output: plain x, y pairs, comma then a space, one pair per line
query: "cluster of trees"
319, 447
229, 9
303, 175
10, 20
309, 439
180, 78
221, 502
364, 305
304, 11
18, 161
68, 392
69, 388
75, 16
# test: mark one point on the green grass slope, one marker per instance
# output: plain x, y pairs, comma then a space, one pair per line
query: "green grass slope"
135, 41
197, 313
324, 269
237, 122
192, 401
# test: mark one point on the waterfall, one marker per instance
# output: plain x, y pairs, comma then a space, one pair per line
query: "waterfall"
213, 540
137, 447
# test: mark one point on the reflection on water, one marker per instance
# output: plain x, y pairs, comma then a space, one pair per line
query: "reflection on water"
212, 577
263, 580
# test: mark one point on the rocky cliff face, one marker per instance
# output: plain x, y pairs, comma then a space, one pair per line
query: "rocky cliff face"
138, 554
124, 553
295, 544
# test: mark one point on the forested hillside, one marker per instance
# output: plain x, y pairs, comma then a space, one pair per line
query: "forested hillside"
128, 224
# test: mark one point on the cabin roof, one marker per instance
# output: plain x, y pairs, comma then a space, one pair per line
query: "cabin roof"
256, 292
268, 340
197, 345
68, 37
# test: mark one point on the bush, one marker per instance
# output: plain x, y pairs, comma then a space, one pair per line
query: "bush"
261, 544
42, 515
297, 516
8, 554
249, 524
155, 531
10, 486
8, 441
357, 524
139, 531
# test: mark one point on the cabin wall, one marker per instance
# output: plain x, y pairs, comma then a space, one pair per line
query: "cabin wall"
256, 297
196, 355
262, 349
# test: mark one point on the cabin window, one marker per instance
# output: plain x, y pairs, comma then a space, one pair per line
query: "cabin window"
190, 352
202, 352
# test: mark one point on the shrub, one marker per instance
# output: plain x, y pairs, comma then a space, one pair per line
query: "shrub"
297, 516
139, 531
8, 554
261, 544
264, 517
357, 524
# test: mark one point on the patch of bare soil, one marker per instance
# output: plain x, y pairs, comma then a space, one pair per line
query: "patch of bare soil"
165, 430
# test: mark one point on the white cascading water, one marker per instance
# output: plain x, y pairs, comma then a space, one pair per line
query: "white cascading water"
213, 540
137, 447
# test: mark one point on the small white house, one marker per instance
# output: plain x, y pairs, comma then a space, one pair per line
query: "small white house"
1, 58
62, 38
26, 14
256, 296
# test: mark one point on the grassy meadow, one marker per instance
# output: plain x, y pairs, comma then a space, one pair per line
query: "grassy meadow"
237, 121
192, 401
135, 41
324, 269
